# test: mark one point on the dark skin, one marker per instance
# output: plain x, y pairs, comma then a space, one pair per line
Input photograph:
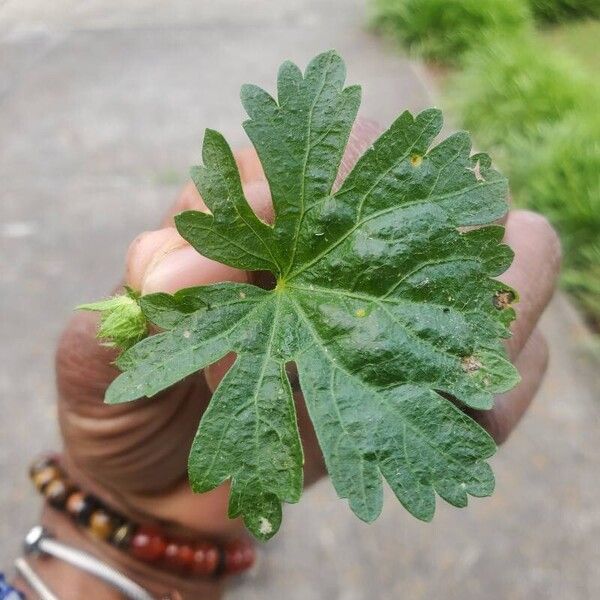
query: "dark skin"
135, 455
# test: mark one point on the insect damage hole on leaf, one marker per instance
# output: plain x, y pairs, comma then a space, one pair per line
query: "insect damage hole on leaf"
471, 364
503, 299
477, 170
384, 299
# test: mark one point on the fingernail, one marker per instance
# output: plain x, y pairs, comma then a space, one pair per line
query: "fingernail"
183, 268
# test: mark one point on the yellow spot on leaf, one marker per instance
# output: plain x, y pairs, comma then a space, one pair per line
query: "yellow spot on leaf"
360, 312
416, 160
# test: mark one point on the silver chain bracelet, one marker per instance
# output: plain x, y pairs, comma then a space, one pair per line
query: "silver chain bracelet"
40, 541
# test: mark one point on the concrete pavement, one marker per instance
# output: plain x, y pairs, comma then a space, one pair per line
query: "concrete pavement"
102, 108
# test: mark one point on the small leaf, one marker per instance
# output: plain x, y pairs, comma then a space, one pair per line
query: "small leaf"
385, 300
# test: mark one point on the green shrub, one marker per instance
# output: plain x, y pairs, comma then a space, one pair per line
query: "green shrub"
443, 30
583, 282
554, 11
513, 88
558, 175
578, 39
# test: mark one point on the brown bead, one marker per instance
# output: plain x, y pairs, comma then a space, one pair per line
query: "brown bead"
179, 556
44, 476
80, 507
101, 524
74, 502
123, 534
147, 545
239, 556
39, 464
206, 558
56, 493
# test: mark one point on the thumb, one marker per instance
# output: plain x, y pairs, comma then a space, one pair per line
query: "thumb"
162, 261
157, 261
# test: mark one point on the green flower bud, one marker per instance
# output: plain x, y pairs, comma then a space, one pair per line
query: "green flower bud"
122, 322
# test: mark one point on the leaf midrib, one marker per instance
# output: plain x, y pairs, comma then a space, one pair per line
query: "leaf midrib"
380, 213
305, 162
195, 347
254, 399
411, 334
407, 423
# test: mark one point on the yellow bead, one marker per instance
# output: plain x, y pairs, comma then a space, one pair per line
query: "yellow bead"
101, 524
43, 477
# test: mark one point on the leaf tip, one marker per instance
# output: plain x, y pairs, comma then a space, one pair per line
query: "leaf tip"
114, 395
263, 525
426, 516
211, 136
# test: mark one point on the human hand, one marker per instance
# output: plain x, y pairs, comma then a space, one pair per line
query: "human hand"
137, 453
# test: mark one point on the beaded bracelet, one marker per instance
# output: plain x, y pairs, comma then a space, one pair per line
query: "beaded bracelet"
200, 558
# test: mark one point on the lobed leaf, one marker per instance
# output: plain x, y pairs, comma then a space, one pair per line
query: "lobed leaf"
385, 300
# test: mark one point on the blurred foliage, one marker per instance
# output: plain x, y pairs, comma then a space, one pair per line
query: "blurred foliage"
532, 99
538, 108
443, 30
583, 282
579, 39
512, 87
558, 174
554, 11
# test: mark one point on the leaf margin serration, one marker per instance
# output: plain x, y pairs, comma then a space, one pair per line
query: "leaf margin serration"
218, 174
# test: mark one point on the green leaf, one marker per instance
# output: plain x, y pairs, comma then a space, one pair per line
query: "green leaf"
385, 301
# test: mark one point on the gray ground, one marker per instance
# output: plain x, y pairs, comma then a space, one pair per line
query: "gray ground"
102, 106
